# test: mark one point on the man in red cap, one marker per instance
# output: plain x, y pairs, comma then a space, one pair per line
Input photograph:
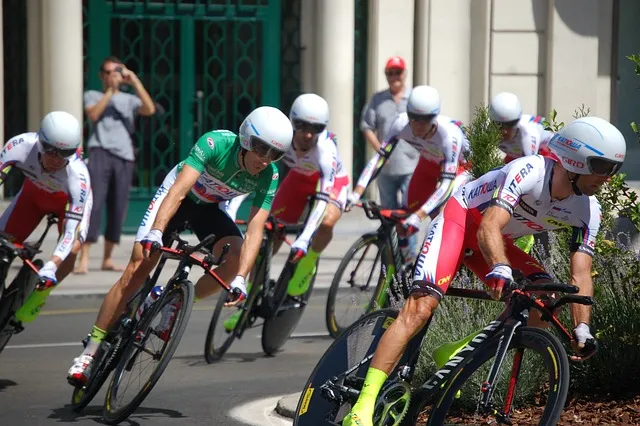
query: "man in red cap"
376, 120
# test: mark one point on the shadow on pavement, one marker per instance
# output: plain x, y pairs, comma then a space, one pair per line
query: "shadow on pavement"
229, 357
4, 383
94, 412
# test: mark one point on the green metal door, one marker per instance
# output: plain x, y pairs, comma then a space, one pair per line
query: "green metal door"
205, 63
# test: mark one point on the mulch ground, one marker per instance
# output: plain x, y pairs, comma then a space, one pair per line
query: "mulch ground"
578, 411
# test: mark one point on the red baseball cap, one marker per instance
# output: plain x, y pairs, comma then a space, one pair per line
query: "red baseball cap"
395, 62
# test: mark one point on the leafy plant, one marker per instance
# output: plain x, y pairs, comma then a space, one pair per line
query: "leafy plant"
484, 139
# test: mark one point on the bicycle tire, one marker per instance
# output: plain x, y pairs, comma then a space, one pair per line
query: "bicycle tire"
334, 328
277, 328
115, 415
14, 296
541, 342
213, 354
313, 408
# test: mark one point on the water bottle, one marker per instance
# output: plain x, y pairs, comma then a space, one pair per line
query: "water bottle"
151, 297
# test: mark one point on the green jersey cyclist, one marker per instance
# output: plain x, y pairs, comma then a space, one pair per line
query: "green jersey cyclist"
220, 166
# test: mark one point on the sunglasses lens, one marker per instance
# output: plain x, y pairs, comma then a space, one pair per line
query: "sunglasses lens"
603, 167
418, 117
314, 128
64, 153
263, 150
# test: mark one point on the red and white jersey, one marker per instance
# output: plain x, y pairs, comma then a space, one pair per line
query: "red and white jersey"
322, 160
530, 138
23, 152
522, 187
444, 148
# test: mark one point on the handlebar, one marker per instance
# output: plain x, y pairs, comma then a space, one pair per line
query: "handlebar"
373, 211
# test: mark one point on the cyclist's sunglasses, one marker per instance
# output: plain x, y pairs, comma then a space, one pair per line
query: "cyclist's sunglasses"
602, 166
304, 126
264, 150
52, 150
419, 117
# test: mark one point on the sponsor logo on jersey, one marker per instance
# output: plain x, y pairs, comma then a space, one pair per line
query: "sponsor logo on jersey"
199, 152
487, 187
518, 178
152, 204
527, 222
527, 208
555, 222
210, 142
83, 188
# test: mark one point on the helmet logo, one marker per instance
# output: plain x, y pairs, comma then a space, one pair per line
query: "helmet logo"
572, 162
567, 143
620, 156
276, 143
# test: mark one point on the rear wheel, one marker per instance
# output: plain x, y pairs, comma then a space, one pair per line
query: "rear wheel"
147, 346
359, 285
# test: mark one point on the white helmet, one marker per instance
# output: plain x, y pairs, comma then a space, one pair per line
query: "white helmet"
423, 100
589, 145
310, 108
60, 131
505, 108
267, 131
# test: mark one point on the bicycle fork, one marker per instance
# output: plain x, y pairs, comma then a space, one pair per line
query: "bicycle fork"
485, 405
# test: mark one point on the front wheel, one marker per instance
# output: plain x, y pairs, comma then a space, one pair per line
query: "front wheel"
531, 387
359, 285
150, 344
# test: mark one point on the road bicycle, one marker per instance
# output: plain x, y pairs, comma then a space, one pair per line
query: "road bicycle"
134, 338
24, 283
490, 366
267, 300
361, 282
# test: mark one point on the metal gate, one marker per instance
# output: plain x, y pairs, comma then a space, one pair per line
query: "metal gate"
206, 64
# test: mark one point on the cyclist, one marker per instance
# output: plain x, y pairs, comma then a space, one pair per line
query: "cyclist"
532, 193
220, 166
56, 181
521, 135
441, 143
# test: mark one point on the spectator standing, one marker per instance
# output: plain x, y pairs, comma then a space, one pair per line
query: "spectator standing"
376, 120
111, 153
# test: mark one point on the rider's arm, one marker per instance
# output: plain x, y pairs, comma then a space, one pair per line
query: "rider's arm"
79, 190
582, 251
528, 140
518, 178
15, 152
252, 240
328, 162
96, 102
178, 191
374, 166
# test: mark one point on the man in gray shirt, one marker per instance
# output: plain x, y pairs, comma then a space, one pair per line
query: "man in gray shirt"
377, 117
111, 154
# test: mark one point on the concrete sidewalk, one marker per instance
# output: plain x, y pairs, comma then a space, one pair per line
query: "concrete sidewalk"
97, 282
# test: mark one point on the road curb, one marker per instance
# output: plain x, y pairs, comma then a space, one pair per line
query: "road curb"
287, 405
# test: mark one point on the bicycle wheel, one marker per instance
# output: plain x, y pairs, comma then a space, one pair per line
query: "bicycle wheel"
120, 402
218, 338
542, 390
13, 297
278, 328
353, 349
359, 285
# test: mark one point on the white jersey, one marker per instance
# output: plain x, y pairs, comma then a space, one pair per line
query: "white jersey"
529, 139
323, 160
445, 147
23, 152
522, 187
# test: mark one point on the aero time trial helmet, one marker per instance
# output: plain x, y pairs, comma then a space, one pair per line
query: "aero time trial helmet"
267, 132
60, 133
505, 109
589, 145
310, 110
424, 101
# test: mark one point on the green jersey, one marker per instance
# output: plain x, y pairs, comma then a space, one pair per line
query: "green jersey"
215, 156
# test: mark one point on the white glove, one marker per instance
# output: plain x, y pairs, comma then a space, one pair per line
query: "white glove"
500, 275
353, 199
582, 333
300, 244
238, 283
154, 236
48, 271
412, 224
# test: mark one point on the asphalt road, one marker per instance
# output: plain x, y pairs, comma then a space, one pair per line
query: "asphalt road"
33, 389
